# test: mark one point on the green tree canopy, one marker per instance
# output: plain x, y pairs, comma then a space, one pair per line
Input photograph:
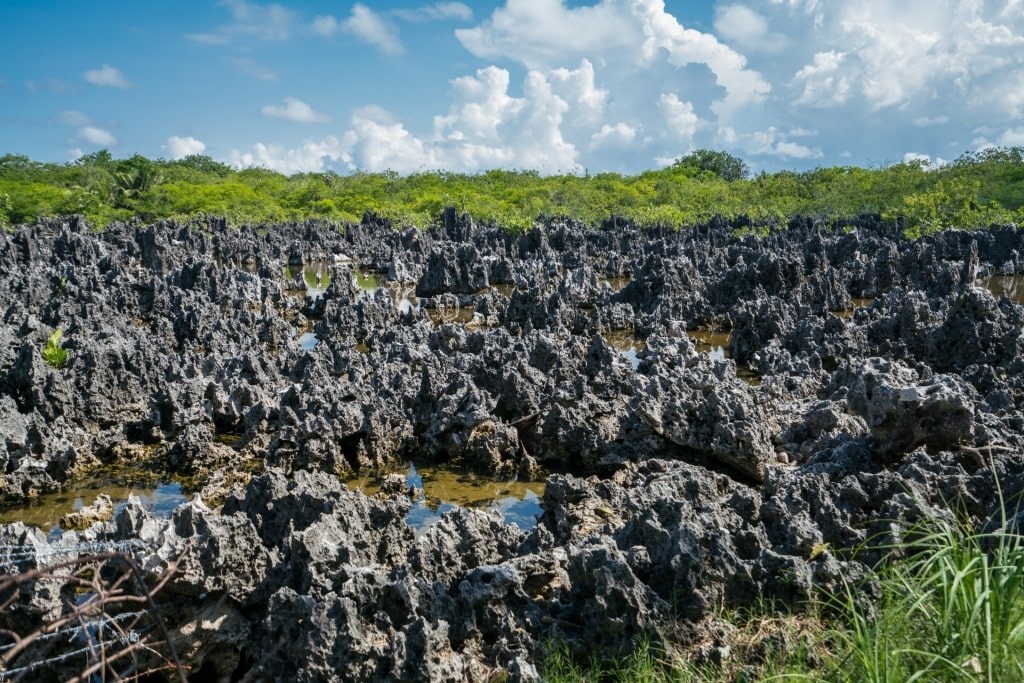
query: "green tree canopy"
722, 164
977, 190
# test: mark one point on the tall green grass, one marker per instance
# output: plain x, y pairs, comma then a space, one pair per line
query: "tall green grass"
950, 607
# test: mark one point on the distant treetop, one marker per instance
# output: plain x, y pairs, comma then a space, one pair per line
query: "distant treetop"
722, 164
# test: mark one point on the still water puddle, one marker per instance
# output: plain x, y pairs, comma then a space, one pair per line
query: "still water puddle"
617, 283
305, 337
404, 296
315, 275
503, 288
45, 511
715, 344
1010, 286
857, 303
441, 488
307, 341
445, 308
367, 284
627, 344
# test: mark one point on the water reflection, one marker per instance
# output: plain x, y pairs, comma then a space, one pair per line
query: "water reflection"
367, 284
857, 303
503, 288
617, 283
440, 488
45, 511
307, 341
1010, 286
315, 275
627, 344
305, 337
715, 344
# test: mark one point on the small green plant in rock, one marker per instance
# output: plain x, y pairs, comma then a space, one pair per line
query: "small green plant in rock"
54, 354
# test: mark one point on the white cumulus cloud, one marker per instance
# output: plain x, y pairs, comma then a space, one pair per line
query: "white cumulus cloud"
578, 87
823, 81
439, 11
925, 160
95, 135
368, 26
543, 33
309, 158
893, 53
294, 110
772, 142
73, 118
482, 104
379, 142
107, 77
625, 35
325, 25
680, 118
250, 20
614, 61
746, 29
624, 84
180, 147
487, 127
619, 135
1011, 137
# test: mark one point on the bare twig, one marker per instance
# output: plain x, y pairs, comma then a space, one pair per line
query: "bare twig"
106, 624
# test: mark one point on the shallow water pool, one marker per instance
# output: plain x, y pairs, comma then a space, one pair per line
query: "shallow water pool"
45, 511
441, 488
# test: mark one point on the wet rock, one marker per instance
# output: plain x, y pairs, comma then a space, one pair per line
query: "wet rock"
100, 510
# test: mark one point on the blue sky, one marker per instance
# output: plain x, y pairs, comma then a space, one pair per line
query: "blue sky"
552, 85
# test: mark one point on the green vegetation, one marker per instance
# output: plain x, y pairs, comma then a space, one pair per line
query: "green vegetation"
951, 608
718, 164
54, 353
976, 190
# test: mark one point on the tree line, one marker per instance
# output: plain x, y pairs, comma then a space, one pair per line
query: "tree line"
976, 190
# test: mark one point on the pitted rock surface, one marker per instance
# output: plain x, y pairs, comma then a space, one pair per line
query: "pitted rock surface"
684, 482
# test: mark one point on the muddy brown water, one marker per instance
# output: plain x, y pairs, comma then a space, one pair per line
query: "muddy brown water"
627, 344
715, 344
857, 303
316, 275
617, 283
440, 488
1010, 286
45, 511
